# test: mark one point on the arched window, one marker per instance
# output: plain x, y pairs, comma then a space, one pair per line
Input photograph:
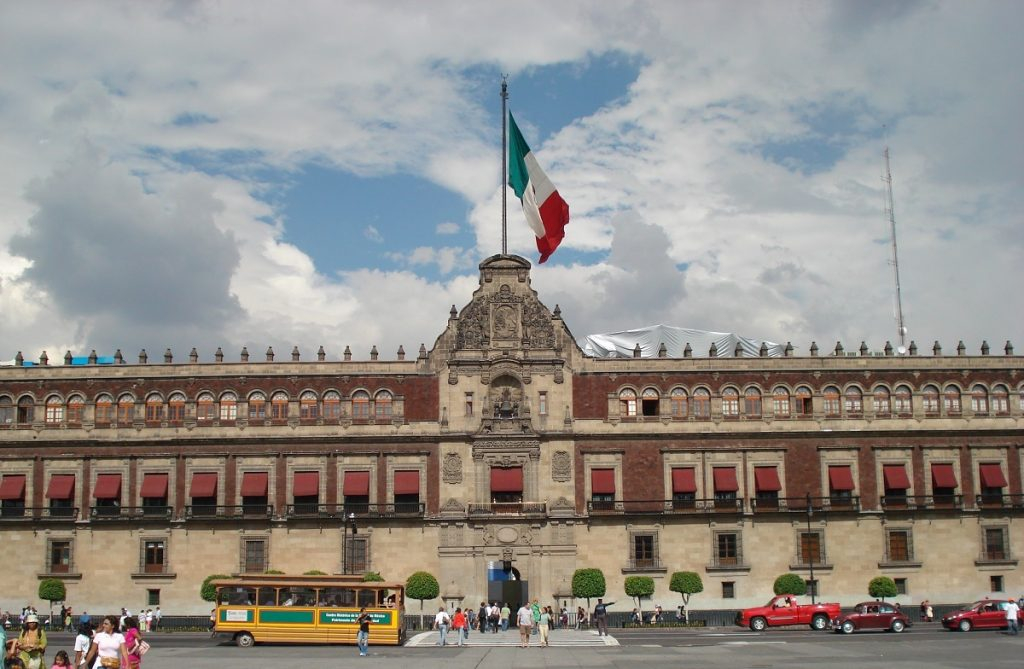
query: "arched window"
831, 402
951, 400
332, 405
26, 410
257, 406
730, 403
780, 402
752, 403
702, 403
54, 410
853, 402
678, 402
627, 402
104, 409
902, 402
930, 400
206, 408
382, 405
154, 408
979, 400
6, 411
803, 402
279, 406
76, 407
650, 402
176, 408
228, 407
309, 407
881, 403
360, 405
1000, 400
125, 409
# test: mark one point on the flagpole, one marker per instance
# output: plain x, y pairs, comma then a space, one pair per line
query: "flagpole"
504, 165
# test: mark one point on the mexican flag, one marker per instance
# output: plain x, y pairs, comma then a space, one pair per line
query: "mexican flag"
546, 211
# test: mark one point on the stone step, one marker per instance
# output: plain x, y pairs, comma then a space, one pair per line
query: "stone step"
557, 638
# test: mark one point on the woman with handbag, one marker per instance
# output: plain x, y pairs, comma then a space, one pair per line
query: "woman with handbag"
108, 647
133, 642
31, 644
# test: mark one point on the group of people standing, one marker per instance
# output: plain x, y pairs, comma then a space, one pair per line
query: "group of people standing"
109, 647
531, 619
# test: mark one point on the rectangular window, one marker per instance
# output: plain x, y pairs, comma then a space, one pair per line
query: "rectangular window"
992, 482
896, 484
542, 404
899, 547
644, 551
254, 556
602, 489
12, 495
356, 491
901, 586
727, 549
840, 481
726, 484
812, 548
469, 404
995, 583
407, 491
812, 587
768, 485
58, 559
357, 555
684, 487
153, 597
996, 544
728, 590
153, 556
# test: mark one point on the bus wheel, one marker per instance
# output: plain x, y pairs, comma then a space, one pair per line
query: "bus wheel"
244, 640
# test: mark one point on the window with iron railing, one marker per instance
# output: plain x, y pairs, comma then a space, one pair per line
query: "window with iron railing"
996, 543
727, 549
254, 556
58, 556
811, 549
644, 550
154, 556
899, 546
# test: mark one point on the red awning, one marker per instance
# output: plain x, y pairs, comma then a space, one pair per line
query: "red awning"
506, 479
992, 475
204, 484
407, 483
725, 479
13, 486
357, 484
108, 486
154, 485
306, 484
767, 479
62, 486
895, 477
943, 475
255, 484
840, 477
684, 479
602, 481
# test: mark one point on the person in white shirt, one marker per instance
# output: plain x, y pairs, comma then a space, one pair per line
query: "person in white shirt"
441, 622
524, 618
82, 643
1012, 610
108, 642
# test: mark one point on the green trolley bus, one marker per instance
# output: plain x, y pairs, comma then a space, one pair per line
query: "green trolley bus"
269, 608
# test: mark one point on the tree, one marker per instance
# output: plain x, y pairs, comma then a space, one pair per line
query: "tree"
639, 587
588, 583
52, 590
790, 584
207, 590
686, 583
882, 586
372, 576
422, 585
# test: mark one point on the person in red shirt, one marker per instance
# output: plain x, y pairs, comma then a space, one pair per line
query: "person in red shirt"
459, 623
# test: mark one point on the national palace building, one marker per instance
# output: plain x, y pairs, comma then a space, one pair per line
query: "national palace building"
503, 458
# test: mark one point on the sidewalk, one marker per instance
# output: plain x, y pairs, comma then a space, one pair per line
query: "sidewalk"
560, 638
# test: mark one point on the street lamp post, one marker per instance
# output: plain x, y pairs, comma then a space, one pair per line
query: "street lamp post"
810, 546
348, 518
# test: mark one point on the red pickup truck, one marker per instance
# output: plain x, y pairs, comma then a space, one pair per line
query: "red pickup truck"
784, 610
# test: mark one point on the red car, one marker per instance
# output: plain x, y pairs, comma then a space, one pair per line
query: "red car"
872, 616
784, 610
984, 614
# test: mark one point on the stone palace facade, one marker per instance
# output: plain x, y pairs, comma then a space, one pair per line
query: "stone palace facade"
502, 459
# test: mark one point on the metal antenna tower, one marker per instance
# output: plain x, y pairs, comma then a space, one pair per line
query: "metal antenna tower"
902, 329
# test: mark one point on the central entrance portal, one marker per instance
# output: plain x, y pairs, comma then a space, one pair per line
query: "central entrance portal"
505, 586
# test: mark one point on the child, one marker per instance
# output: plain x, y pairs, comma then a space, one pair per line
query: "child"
61, 661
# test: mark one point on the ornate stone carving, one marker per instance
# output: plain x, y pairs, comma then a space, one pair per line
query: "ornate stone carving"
488, 536
504, 316
452, 468
452, 506
507, 535
561, 466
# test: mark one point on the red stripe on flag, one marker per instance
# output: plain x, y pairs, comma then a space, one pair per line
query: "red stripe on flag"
554, 212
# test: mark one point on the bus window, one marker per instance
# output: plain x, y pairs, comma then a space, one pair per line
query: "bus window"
238, 596
338, 596
296, 597
367, 597
267, 596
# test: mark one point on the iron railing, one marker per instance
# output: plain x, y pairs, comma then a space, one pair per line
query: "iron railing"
661, 507
509, 509
212, 512
911, 502
396, 510
999, 501
27, 513
130, 512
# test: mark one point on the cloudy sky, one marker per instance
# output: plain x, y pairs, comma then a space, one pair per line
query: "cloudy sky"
179, 174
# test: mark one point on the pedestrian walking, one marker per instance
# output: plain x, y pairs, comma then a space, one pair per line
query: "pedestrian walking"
459, 624
601, 617
544, 625
363, 636
1012, 612
442, 621
506, 613
524, 618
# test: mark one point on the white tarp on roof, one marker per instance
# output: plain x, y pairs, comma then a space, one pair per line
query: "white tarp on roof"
621, 344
